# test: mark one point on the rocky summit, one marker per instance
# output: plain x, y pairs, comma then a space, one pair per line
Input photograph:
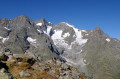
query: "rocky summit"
42, 50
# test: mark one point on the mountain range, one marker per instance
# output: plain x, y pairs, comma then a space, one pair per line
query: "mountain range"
91, 52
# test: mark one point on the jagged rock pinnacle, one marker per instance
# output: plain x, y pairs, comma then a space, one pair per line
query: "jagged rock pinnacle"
42, 20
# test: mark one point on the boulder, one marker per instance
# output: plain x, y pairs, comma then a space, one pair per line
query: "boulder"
24, 74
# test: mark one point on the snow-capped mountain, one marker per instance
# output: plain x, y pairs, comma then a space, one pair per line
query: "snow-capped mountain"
87, 50
90, 51
69, 42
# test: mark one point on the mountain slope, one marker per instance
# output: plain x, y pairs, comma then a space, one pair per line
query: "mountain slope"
91, 51
20, 34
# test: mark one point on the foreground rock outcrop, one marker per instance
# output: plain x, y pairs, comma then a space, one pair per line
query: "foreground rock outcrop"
24, 67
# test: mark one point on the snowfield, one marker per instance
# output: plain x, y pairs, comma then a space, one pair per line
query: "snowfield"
39, 24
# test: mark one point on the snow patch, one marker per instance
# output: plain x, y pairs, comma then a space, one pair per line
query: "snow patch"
84, 31
39, 24
39, 31
66, 35
57, 34
108, 40
86, 34
1, 37
48, 30
79, 36
7, 28
32, 41
49, 22
74, 35
4, 39
69, 25
58, 39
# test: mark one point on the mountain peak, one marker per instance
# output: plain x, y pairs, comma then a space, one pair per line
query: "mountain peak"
22, 17
98, 30
4, 20
42, 20
67, 24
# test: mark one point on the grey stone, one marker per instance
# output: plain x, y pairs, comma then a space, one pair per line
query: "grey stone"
65, 66
58, 62
24, 74
2, 70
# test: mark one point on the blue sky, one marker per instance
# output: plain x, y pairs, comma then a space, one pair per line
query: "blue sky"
83, 14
